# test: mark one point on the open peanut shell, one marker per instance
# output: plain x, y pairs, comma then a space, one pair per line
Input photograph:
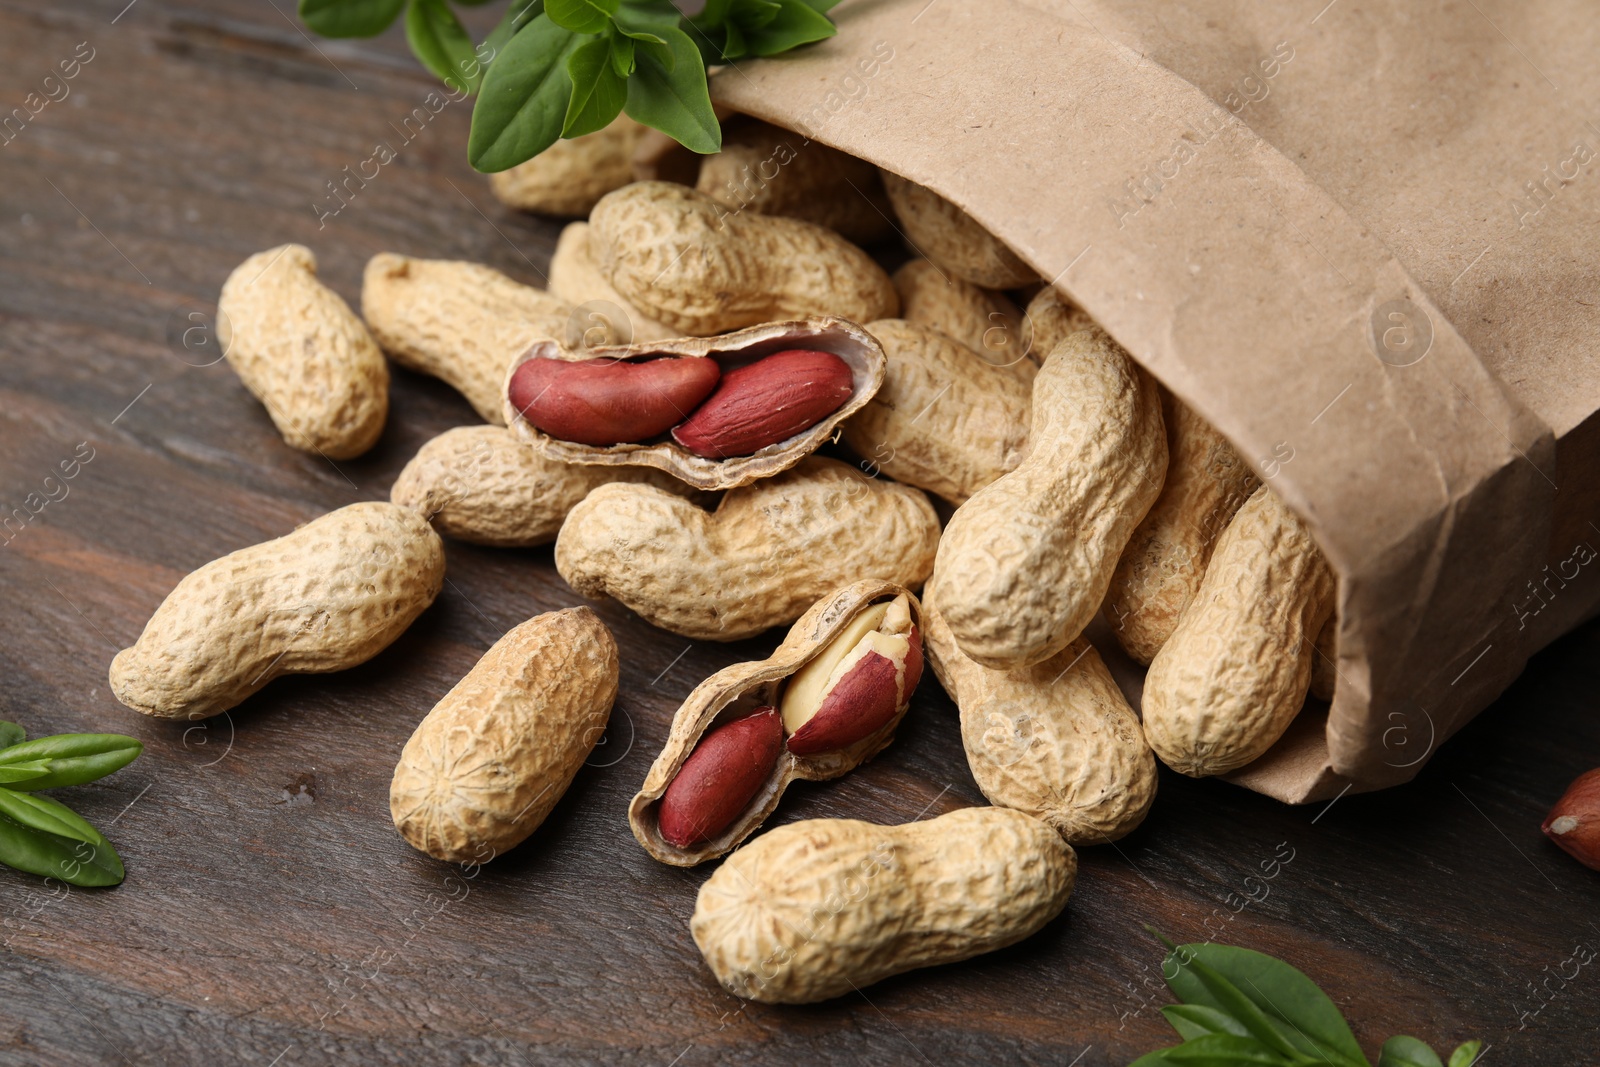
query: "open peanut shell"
859, 350
741, 688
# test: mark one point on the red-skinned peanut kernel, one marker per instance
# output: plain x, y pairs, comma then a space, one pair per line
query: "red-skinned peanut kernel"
605, 402
765, 402
720, 778
857, 706
1574, 823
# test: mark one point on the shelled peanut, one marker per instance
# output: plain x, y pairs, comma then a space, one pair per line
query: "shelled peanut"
823, 907
826, 700
767, 552
330, 595
1025, 563
1574, 821
945, 420
1235, 672
486, 766
952, 239
303, 353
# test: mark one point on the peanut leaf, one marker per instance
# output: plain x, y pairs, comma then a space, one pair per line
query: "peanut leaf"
13, 774
1402, 1051
74, 758
349, 18
581, 16
442, 44
598, 92
523, 103
91, 863
42, 813
11, 734
674, 99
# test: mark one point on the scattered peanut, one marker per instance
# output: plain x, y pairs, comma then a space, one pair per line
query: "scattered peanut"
570, 177
1024, 565
954, 240
843, 678
1574, 823
576, 278
486, 765
679, 257
986, 322
1234, 674
761, 559
330, 595
945, 420
1056, 740
820, 908
303, 353
1166, 557
461, 322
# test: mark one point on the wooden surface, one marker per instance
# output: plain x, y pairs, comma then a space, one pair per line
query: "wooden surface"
272, 915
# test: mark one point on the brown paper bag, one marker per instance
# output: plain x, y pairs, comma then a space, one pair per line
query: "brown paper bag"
1360, 239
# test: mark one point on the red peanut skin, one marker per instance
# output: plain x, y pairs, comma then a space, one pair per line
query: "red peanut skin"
720, 778
765, 402
1581, 801
605, 402
859, 704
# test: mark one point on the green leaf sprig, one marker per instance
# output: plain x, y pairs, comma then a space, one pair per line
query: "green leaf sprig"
1239, 1007
563, 68
41, 836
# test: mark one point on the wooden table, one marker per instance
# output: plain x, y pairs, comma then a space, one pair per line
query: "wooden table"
272, 916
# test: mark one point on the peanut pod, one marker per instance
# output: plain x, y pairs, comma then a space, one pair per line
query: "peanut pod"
685, 261
330, 595
1234, 674
944, 420
761, 559
1056, 740
571, 176
576, 278
460, 322
823, 907
484, 768
843, 678
952, 239
1049, 320
1025, 564
745, 349
984, 320
1165, 559
302, 352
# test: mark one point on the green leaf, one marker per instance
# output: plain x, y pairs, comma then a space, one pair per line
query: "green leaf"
442, 44
675, 100
1407, 1052
753, 14
1225, 1050
796, 24
581, 16
74, 758
13, 773
1197, 1020
734, 44
598, 92
1260, 991
93, 863
621, 46
349, 18
1466, 1054
649, 16
523, 103
518, 15
11, 734
42, 813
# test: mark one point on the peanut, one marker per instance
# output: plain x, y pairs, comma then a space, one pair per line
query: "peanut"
1574, 822
1056, 740
576, 278
605, 402
571, 176
843, 678
952, 239
488, 763
1048, 321
303, 353
986, 322
1166, 557
758, 561
820, 908
330, 595
679, 257
945, 420
760, 169
773, 415
1234, 674
1025, 564
765, 402
460, 322
483, 485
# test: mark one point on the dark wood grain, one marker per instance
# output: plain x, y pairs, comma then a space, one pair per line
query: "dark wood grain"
272, 915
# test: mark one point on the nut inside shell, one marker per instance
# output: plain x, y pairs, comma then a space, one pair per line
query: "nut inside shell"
739, 689
860, 351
